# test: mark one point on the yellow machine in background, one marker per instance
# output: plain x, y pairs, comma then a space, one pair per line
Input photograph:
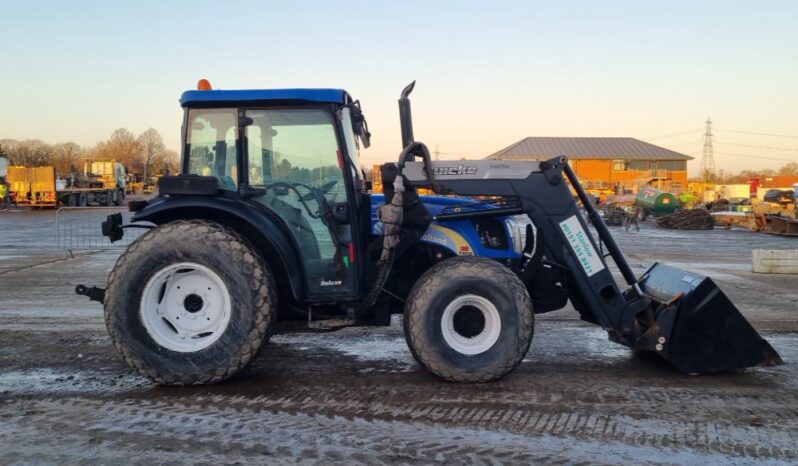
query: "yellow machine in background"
134, 184
150, 185
109, 172
32, 186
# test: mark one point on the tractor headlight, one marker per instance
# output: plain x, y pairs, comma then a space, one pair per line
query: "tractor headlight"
517, 228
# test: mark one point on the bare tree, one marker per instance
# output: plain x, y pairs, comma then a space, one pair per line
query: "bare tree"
30, 152
65, 157
791, 169
123, 147
152, 149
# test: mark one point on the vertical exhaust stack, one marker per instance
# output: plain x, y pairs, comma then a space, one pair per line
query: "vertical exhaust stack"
406, 117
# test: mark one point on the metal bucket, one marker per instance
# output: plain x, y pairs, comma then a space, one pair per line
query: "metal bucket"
698, 329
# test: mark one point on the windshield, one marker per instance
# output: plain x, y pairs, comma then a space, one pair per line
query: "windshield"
293, 146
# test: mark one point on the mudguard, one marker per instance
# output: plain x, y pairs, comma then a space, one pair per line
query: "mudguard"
247, 219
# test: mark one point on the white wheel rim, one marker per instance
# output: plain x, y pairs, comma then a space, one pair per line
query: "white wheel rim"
471, 344
185, 307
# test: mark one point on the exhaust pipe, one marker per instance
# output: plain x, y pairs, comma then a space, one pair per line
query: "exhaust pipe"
406, 117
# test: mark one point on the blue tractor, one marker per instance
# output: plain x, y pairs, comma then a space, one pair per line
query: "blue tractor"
271, 224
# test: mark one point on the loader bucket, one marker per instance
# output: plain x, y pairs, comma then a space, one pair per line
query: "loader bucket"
703, 331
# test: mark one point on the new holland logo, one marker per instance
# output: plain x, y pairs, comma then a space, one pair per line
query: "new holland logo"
331, 283
458, 170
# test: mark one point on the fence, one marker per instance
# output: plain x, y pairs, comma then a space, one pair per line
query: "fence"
81, 228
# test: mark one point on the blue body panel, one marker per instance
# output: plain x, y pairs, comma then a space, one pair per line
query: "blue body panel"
334, 96
458, 236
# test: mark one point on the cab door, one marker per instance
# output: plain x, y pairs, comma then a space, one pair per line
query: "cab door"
295, 156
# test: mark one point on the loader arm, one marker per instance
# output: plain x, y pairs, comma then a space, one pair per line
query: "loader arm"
547, 200
682, 316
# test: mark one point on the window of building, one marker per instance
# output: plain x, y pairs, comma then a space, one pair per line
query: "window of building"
640, 165
672, 165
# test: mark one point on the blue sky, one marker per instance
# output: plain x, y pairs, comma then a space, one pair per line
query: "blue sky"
489, 73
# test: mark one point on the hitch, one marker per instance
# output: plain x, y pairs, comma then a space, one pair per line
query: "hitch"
94, 293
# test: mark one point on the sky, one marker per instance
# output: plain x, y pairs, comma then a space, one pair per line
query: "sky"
488, 73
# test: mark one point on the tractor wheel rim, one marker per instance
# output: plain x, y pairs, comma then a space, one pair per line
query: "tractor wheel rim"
185, 307
471, 324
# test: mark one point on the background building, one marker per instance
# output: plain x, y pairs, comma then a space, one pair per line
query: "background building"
621, 164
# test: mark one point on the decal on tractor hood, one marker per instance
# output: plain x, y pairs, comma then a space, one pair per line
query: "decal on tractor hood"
580, 243
447, 238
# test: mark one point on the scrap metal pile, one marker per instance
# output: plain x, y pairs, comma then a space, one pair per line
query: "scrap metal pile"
689, 219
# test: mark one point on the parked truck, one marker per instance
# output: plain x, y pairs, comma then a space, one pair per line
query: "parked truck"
102, 182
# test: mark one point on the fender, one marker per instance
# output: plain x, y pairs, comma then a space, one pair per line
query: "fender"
259, 225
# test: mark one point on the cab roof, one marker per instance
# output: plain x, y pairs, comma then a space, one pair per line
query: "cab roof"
334, 96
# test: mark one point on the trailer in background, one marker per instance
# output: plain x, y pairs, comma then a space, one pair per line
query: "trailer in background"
32, 186
101, 183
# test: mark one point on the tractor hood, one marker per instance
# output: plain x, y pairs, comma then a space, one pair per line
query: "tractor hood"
435, 205
459, 236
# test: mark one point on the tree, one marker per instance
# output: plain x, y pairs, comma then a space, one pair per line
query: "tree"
166, 163
791, 169
123, 147
30, 152
152, 149
65, 157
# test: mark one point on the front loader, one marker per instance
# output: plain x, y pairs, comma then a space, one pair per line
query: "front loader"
270, 223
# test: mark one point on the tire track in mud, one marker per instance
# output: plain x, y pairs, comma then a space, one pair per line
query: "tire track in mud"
711, 424
157, 429
748, 437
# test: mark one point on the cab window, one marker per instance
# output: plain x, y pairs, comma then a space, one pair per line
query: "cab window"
211, 145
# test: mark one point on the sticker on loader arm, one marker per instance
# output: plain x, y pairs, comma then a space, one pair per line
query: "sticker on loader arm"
580, 243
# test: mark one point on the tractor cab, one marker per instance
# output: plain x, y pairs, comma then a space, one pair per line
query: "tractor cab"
290, 154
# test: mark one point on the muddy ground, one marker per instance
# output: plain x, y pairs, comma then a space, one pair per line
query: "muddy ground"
357, 395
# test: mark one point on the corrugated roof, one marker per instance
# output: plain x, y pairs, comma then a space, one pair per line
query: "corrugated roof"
586, 148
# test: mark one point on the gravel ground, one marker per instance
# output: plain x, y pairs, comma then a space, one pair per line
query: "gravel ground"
357, 395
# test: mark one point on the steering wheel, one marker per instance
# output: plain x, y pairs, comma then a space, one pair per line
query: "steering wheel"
314, 193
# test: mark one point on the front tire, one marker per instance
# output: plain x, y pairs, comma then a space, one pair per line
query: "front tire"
189, 303
469, 319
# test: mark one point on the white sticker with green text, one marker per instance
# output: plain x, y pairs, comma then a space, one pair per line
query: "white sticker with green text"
581, 245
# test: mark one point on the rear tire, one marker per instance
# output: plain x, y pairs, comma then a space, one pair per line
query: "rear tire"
224, 281
469, 319
83, 200
72, 200
109, 198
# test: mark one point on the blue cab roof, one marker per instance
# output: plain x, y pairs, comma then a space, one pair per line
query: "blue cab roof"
335, 96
